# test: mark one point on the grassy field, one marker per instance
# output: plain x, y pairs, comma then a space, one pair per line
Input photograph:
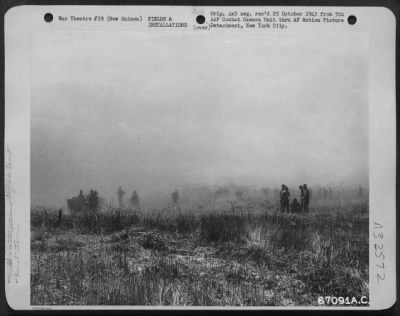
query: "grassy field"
244, 258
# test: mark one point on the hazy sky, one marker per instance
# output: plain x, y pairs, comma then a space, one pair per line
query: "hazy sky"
153, 111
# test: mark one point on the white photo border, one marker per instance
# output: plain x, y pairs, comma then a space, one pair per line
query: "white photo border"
21, 22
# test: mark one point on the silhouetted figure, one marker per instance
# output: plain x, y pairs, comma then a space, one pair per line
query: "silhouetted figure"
81, 196
284, 196
82, 201
59, 217
77, 204
120, 195
306, 198
175, 197
360, 191
301, 197
135, 200
282, 192
93, 200
295, 206
287, 201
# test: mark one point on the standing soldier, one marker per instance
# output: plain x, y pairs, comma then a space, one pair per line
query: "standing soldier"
135, 200
81, 197
59, 217
301, 198
82, 201
175, 199
284, 199
282, 194
306, 197
287, 199
120, 194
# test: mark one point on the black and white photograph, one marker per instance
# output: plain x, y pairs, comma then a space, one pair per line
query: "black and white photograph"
189, 180
189, 169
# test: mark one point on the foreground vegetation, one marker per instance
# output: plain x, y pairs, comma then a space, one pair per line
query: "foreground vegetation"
245, 258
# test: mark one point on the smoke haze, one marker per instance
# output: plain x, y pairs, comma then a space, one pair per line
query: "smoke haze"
157, 111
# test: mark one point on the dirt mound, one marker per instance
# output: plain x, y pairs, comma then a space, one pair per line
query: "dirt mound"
137, 237
151, 240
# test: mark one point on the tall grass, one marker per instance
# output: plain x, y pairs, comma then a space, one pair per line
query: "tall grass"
326, 251
76, 278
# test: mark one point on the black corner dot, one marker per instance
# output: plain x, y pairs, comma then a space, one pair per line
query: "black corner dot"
352, 19
200, 19
48, 17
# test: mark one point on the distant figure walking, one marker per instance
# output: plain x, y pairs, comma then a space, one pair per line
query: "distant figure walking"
295, 206
135, 200
120, 195
301, 197
306, 198
175, 199
59, 217
284, 195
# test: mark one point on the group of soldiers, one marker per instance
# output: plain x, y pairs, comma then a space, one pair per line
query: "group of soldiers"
82, 203
133, 201
295, 206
